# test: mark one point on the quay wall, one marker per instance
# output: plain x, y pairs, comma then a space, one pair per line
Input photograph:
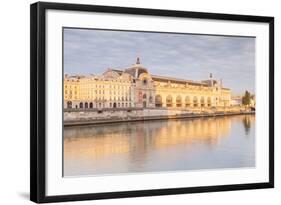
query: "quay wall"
94, 116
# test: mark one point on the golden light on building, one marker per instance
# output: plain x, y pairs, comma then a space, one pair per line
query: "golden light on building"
135, 87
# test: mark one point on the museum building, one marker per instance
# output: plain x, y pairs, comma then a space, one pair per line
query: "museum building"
135, 87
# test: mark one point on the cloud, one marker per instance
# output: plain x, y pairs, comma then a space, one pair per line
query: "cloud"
176, 55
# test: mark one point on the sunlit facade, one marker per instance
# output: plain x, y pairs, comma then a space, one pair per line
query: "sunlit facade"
135, 87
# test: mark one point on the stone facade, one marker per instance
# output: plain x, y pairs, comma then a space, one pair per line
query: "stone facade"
135, 87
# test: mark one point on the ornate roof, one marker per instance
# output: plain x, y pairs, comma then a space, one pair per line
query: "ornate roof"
177, 80
110, 73
136, 69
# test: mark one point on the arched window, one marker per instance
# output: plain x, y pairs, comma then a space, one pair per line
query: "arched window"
187, 101
91, 105
195, 101
144, 96
80, 105
86, 105
178, 101
69, 104
158, 101
169, 101
202, 102
209, 101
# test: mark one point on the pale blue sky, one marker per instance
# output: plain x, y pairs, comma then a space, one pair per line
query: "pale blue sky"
184, 56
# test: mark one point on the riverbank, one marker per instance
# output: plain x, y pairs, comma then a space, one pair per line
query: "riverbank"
90, 121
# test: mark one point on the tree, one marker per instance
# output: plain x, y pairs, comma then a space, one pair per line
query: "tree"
246, 99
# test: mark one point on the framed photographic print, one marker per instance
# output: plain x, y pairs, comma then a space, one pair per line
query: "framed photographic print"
129, 102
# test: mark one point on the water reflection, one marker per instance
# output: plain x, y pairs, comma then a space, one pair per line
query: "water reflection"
247, 124
160, 146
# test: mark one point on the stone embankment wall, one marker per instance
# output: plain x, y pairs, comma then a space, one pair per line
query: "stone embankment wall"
95, 116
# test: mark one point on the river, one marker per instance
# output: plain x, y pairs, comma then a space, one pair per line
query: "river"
155, 146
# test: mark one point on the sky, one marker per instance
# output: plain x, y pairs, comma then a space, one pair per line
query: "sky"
185, 56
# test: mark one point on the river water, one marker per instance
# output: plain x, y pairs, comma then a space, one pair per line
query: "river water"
155, 146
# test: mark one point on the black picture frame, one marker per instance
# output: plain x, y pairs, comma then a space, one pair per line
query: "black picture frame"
38, 101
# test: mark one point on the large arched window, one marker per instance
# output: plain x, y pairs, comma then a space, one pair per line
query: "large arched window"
187, 101
158, 101
69, 104
178, 101
195, 101
169, 101
91, 105
86, 105
80, 105
202, 101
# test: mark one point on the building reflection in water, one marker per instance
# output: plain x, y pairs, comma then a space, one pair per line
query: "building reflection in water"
148, 146
247, 121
